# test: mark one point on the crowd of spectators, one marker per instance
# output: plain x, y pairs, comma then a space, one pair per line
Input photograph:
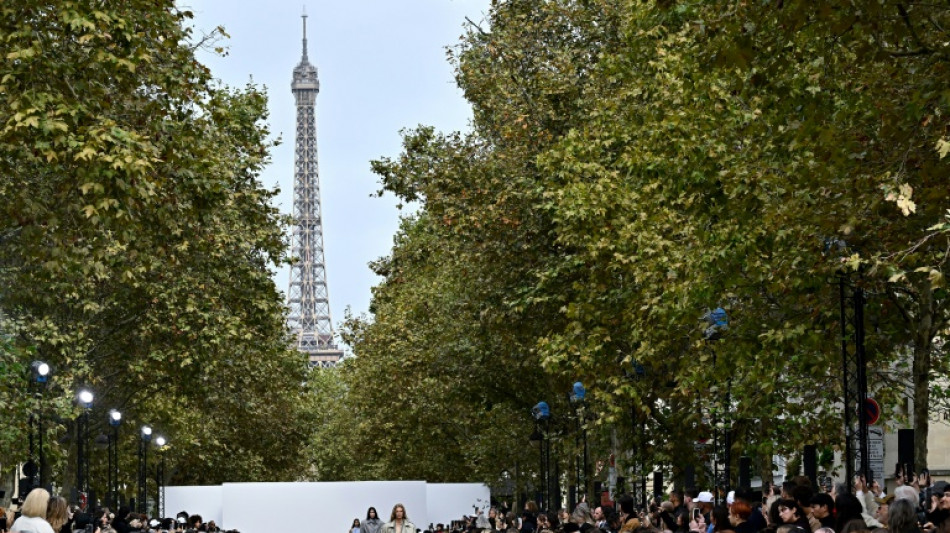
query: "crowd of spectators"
42, 513
918, 505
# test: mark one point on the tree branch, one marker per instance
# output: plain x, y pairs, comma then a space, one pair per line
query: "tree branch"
891, 292
924, 49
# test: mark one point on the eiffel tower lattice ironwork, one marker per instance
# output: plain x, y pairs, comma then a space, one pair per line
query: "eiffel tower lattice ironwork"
309, 300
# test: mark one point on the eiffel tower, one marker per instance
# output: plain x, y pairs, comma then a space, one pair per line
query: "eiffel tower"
309, 300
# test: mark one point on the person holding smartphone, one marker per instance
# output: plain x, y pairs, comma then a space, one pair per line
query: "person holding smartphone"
924, 487
938, 513
696, 521
704, 503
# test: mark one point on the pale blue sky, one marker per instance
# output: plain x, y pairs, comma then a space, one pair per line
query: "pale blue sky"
382, 67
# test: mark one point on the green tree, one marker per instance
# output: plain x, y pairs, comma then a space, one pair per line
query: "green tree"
633, 165
138, 239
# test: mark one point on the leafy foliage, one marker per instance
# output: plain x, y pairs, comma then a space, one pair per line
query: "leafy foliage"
137, 238
633, 165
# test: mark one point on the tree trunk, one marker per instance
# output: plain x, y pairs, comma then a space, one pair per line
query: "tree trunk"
765, 469
923, 346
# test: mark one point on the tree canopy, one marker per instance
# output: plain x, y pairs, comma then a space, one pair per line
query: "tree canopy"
138, 241
633, 165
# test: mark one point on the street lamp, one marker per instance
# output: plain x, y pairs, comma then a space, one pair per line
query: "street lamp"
638, 417
40, 374
146, 437
578, 393
541, 413
85, 398
160, 442
578, 399
717, 322
40, 371
115, 419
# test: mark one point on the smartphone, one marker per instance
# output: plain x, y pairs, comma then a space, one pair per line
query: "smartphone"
696, 514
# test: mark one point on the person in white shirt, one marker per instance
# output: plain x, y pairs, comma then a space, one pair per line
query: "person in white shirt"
33, 514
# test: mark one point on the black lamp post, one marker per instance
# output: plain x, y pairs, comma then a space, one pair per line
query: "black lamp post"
160, 442
40, 373
579, 401
146, 434
717, 324
115, 419
84, 398
854, 363
638, 482
542, 414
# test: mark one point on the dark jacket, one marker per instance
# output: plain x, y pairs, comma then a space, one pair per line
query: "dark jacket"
746, 527
121, 525
757, 519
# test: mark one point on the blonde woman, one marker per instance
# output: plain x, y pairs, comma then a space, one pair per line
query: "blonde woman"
33, 514
57, 512
398, 522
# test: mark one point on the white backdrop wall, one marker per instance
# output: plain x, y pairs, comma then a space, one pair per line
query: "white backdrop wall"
330, 507
449, 501
206, 501
267, 507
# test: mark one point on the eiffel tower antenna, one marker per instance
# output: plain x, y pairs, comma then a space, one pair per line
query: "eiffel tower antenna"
304, 33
